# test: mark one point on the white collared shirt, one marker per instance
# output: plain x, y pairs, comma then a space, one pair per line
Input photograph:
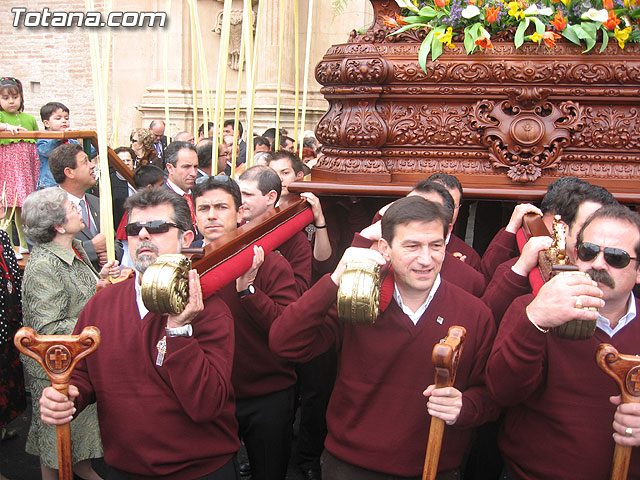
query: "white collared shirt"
141, 307
604, 323
176, 188
415, 316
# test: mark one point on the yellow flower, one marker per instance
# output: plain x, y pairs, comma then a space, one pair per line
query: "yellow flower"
566, 2
536, 37
446, 37
622, 35
515, 10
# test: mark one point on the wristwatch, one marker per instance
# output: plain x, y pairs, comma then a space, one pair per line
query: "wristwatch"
250, 290
183, 331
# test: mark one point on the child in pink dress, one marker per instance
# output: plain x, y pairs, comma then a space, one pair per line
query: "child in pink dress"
19, 167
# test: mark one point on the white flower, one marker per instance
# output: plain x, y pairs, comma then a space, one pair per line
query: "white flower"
596, 15
409, 5
470, 11
534, 10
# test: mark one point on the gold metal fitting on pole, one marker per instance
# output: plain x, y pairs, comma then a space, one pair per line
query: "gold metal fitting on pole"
165, 284
358, 299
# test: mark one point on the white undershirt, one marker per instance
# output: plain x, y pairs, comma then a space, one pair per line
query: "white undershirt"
604, 323
415, 316
141, 308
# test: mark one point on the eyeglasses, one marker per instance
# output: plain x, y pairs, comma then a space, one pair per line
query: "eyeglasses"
615, 257
153, 227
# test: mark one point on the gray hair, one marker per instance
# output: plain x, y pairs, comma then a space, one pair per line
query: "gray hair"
42, 211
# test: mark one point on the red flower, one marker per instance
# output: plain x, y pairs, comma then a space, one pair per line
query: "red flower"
389, 22
608, 4
549, 38
400, 20
484, 42
441, 3
612, 22
492, 14
559, 22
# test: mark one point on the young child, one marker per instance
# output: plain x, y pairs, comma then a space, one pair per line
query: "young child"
55, 118
18, 158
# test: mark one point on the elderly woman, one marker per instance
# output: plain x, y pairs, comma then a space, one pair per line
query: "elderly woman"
58, 281
142, 144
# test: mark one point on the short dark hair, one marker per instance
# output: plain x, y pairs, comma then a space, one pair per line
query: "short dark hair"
568, 200
548, 203
219, 182
50, 108
615, 212
152, 197
171, 153
205, 153
232, 123
294, 161
428, 186
201, 128
13, 85
283, 140
146, 175
129, 150
266, 178
63, 156
260, 140
449, 181
413, 209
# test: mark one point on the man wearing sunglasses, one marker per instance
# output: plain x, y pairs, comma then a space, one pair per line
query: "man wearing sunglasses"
564, 415
162, 382
264, 383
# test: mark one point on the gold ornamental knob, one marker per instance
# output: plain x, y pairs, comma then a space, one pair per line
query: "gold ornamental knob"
358, 299
165, 284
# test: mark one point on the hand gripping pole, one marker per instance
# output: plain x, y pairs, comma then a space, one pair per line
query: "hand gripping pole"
445, 357
625, 370
58, 355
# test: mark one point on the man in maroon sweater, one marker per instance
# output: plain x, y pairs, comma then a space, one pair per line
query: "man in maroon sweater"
261, 188
162, 382
377, 420
263, 382
563, 408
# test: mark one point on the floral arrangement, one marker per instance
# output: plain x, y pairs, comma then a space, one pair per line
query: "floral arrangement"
541, 22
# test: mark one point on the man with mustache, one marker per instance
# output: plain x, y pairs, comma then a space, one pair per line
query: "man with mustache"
162, 382
564, 414
264, 383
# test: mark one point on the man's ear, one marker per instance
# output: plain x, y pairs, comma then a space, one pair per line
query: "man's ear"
240, 215
170, 168
271, 197
187, 238
384, 248
299, 175
46, 124
449, 230
69, 172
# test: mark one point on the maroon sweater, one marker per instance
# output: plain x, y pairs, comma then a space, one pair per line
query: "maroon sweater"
173, 421
505, 286
297, 251
457, 245
377, 418
256, 369
559, 425
452, 270
502, 248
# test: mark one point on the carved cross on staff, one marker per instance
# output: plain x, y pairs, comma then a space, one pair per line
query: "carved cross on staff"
58, 355
445, 358
625, 370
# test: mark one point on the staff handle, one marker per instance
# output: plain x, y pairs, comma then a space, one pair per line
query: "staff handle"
58, 356
445, 357
625, 371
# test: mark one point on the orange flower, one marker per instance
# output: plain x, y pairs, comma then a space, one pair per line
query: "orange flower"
612, 22
492, 14
400, 20
484, 42
549, 38
559, 22
389, 22
608, 4
441, 3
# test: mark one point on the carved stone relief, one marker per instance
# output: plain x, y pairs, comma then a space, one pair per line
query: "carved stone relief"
235, 35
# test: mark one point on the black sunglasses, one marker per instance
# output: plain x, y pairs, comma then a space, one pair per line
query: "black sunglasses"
153, 227
615, 257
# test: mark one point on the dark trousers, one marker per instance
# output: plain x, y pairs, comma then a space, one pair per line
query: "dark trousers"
229, 471
335, 469
265, 425
315, 381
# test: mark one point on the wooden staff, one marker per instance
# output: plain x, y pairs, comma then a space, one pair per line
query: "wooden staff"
58, 355
625, 371
445, 357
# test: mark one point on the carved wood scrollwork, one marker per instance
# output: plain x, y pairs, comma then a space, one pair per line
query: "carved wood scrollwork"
526, 133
